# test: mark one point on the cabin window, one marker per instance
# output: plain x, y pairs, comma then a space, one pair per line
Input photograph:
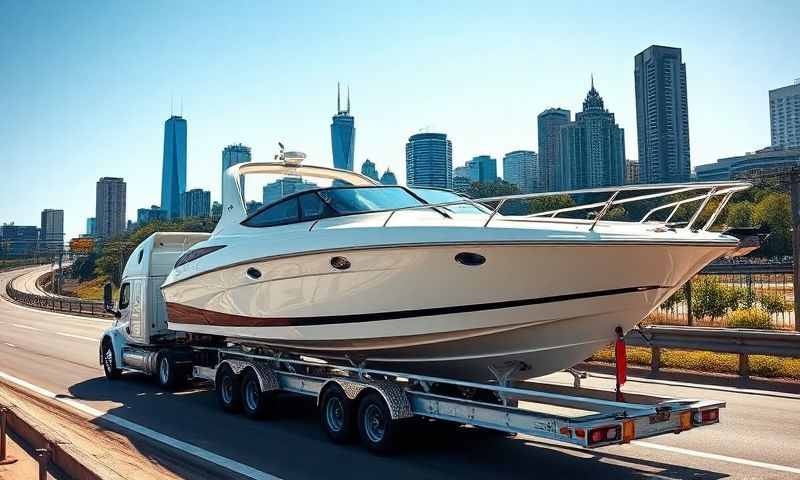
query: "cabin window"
281, 213
124, 295
312, 207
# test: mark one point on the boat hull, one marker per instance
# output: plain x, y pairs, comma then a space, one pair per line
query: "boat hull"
417, 310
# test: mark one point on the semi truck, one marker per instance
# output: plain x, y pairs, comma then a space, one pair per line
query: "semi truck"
356, 402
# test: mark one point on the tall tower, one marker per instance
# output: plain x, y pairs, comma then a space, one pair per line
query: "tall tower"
662, 115
52, 230
110, 207
429, 160
173, 168
784, 116
343, 133
549, 124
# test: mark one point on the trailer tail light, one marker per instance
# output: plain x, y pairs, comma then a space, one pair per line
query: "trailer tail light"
628, 431
604, 434
706, 416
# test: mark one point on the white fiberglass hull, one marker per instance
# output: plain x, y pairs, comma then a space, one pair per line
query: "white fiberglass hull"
417, 310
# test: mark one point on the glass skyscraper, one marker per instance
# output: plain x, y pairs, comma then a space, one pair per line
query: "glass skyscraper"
234, 155
388, 178
173, 168
521, 167
549, 124
368, 169
343, 134
483, 169
429, 160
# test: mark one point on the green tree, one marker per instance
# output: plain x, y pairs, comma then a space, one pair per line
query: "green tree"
740, 214
550, 202
773, 211
498, 188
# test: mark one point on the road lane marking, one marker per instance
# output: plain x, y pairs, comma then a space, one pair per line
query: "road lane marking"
184, 447
26, 327
714, 456
76, 336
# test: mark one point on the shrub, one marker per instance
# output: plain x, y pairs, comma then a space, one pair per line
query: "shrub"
674, 300
772, 302
750, 318
713, 299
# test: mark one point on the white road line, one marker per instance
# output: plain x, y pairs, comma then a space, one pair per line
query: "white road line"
77, 336
202, 453
722, 458
26, 327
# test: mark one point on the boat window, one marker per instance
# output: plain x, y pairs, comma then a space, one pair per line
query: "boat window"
279, 214
435, 195
124, 295
312, 207
356, 200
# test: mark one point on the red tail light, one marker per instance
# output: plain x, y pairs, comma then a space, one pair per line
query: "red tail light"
604, 434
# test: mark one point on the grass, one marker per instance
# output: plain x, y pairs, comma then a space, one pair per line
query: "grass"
760, 365
91, 290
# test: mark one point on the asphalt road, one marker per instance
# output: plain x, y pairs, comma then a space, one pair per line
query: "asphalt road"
759, 436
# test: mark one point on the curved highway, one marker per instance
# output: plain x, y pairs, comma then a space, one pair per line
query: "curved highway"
758, 437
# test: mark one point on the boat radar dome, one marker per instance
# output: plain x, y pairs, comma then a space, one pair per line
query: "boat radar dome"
293, 158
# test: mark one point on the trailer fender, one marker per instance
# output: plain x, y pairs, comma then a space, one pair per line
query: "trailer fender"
117, 339
266, 377
392, 393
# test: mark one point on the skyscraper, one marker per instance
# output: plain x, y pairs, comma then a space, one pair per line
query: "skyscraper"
429, 160
388, 178
173, 168
549, 126
662, 115
272, 192
147, 215
521, 167
592, 148
234, 155
343, 134
197, 203
51, 236
91, 226
110, 207
483, 169
631, 172
368, 169
784, 116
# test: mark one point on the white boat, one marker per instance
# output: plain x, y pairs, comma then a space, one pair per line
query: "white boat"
427, 281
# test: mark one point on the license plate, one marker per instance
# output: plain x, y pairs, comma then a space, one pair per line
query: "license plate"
659, 417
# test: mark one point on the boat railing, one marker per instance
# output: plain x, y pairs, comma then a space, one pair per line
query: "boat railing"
617, 197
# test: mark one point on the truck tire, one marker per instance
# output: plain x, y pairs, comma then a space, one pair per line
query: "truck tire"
255, 403
110, 361
227, 387
377, 429
336, 413
166, 373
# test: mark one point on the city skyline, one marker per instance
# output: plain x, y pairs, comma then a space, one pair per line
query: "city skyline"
115, 107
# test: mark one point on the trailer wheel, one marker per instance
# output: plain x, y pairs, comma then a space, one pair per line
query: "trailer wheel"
228, 389
255, 403
109, 361
166, 374
336, 415
376, 428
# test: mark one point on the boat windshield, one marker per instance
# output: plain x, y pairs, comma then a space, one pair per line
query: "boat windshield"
358, 200
436, 195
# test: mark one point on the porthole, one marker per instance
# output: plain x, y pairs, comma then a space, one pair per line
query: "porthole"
340, 263
470, 259
253, 273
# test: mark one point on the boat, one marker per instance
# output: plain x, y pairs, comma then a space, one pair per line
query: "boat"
430, 282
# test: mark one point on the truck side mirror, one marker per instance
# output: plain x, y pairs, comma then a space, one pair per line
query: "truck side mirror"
108, 299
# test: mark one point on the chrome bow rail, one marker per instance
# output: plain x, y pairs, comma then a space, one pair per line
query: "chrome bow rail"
706, 191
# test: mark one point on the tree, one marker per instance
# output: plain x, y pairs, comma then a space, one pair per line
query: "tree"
550, 202
773, 211
740, 214
498, 188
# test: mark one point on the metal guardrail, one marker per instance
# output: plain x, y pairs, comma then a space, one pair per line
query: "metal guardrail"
743, 342
56, 304
741, 268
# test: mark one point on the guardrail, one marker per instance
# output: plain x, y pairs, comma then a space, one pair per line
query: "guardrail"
56, 304
743, 342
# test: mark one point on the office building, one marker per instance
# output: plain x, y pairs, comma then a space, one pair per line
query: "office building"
767, 161
460, 183
368, 169
197, 203
521, 168
784, 116
549, 124
429, 160
662, 115
110, 207
152, 214
631, 172
234, 155
592, 148
388, 178
173, 167
272, 192
343, 134
51, 235
18, 240
252, 206
483, 169
91, 226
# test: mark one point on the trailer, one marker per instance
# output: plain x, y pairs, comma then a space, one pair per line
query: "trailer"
356, 401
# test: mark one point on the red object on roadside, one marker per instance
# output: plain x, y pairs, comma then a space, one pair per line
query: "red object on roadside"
621, 361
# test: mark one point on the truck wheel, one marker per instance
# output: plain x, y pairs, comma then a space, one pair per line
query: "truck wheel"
109, 361
255, 403
376, 428
336, 415
166, 374
228, 389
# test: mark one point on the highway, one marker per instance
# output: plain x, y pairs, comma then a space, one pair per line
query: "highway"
758, 437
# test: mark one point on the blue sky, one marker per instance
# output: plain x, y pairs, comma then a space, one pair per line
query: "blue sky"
85, 86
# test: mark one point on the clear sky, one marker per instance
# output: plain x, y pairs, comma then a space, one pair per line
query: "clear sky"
85, 86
